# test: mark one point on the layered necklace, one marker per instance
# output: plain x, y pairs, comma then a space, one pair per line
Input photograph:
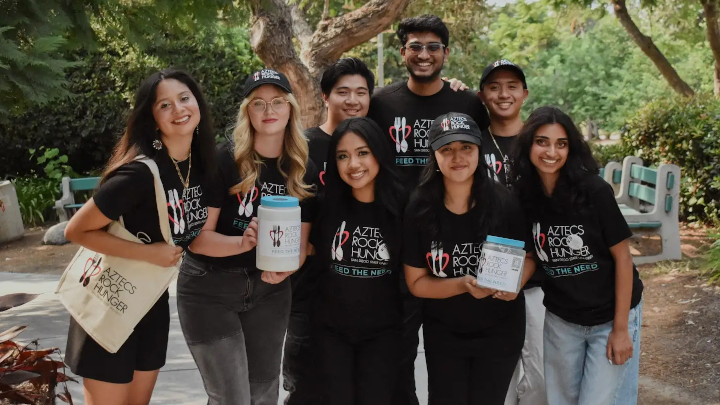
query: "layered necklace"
186, 181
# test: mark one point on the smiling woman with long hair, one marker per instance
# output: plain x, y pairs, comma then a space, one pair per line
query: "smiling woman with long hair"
232, 314
359, 311
593, 293
473, 335
170, 123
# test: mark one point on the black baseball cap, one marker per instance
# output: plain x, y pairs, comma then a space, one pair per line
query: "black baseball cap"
266, 76
453, 127
502, 64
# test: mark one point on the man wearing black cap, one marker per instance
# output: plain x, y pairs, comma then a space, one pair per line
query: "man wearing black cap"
503, 89
405, 111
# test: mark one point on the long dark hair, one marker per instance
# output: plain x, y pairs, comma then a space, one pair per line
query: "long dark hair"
487, 197
140, 131
570, 191
390, 195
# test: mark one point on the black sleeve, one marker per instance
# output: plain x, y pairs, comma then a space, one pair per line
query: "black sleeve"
218, 185
412, 250
514, 225
479, 113
309, 205
127, 187
614, 227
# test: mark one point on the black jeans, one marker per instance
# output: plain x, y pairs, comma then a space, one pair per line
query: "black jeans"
468, 380
234, 324
299, 361
358, 371
412, 321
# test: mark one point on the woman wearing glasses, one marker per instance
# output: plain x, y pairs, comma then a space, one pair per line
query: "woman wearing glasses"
233, 315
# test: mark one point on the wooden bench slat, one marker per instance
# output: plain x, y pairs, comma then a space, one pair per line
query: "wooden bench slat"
625, 210
643, 174
670, 181
74, 205
617, 176
641, 192
84, 184
635, 225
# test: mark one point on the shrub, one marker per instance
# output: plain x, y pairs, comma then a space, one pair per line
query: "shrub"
86, 126
605, 154
685, 132
36, 197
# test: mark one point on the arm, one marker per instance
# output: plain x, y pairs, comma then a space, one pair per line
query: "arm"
423, 285
86, 229
213, 244
619, 348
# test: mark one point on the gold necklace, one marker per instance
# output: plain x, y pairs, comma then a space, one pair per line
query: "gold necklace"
185, 182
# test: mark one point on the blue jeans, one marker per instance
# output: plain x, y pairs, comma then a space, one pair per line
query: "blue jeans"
234, 324
577, 370
628, 392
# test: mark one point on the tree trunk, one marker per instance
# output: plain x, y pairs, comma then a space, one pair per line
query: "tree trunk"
275, 24
712, 27
648, 47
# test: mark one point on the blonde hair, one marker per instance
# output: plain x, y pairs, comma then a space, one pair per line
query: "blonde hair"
295, 152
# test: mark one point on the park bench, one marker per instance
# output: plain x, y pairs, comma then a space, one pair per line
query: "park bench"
612, 173
649, 199
66, 205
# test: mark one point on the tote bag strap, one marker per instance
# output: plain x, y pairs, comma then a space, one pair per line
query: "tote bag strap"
159, 198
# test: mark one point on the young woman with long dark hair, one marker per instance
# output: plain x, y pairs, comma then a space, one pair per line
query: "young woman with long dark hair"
170, 123
593, 293
359, 311
232, 314
473, 335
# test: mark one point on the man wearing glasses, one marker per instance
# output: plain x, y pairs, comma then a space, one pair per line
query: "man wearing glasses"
405, 111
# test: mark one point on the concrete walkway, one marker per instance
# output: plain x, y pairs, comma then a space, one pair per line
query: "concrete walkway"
179, 382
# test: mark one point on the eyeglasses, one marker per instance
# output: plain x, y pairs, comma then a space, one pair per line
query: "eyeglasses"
279, 105
432, 47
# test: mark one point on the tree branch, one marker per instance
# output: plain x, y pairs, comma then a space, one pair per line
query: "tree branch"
335, 36
301, 28
271, 38
326, 10
648, 47
712, 28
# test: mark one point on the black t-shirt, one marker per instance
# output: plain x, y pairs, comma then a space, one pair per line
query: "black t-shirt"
236, 210
319, 143
462, 324
359, 278
129, 193
497, 161
573, 250
405, 119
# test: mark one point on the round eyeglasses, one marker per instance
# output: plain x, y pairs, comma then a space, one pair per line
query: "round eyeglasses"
279, 105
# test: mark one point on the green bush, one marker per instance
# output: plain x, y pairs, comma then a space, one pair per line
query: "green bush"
36, 197
86, 126
605, 154
684, 132
711, 266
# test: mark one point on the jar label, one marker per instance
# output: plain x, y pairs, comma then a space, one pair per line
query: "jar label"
500, 271
279, 238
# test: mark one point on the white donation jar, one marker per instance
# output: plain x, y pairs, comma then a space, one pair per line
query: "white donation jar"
279, 230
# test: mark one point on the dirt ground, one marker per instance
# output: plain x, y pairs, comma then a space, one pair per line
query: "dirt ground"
680, 355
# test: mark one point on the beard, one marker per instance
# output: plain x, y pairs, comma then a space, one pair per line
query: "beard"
425, 79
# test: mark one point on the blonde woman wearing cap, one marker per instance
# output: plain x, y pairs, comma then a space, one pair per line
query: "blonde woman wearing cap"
233, 315
473, 335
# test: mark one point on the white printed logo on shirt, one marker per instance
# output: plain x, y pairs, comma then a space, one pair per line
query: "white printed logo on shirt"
366, 251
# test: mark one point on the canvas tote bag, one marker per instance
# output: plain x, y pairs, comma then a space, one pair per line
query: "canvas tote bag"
108, 295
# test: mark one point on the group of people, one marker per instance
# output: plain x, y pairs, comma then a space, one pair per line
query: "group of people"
399, 189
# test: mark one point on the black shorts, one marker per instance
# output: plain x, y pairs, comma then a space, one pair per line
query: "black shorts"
145, 349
